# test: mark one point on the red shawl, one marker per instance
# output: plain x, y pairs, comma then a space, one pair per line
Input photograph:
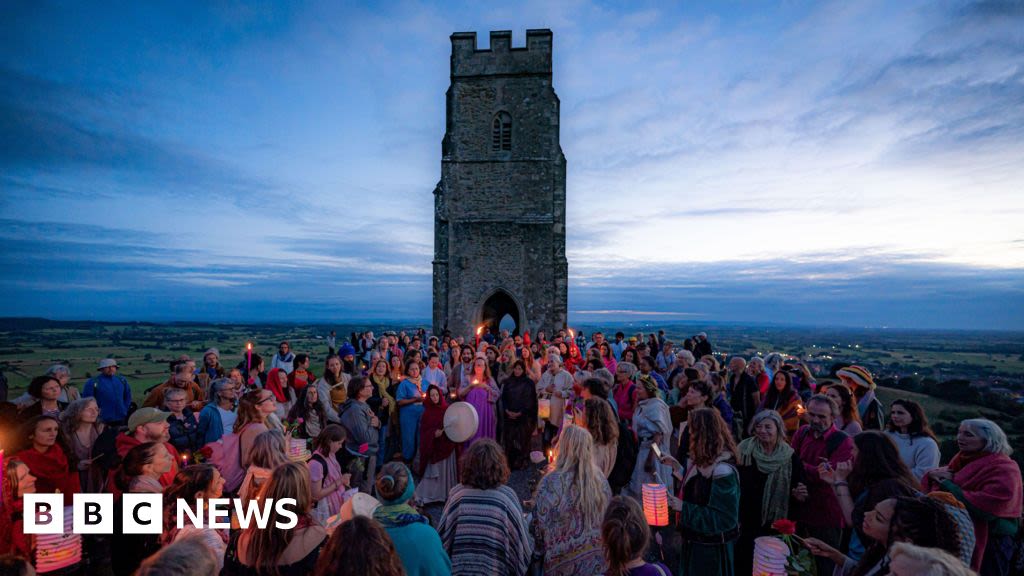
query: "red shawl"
274, 385
992, 484
433, 450
52, 472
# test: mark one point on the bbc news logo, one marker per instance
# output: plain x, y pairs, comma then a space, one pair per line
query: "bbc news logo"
144, 513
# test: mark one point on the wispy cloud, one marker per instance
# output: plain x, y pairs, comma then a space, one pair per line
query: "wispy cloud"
859, 159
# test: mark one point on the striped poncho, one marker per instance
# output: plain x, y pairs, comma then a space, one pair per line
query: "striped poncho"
484, 532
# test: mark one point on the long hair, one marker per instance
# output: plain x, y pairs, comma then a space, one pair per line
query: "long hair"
487, 369
624, 533
187, 483
302, 408
360, 547
290, 480
920, 520
918, 421
576, 459
9, 477
330, 433
774, 396
268, 450
878, 459
134, 461
601, 421
71, 417
848, 408
709, 436
249, 409
329, 376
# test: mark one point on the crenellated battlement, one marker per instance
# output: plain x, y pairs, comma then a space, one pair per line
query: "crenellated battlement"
501, 58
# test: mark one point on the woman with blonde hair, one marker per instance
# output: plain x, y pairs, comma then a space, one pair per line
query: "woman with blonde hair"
568, 508
275, 551
268, 452
709, 502
254, 409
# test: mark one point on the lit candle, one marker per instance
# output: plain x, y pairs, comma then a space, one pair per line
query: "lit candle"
551, 457
248, 358
184, 460
478, 331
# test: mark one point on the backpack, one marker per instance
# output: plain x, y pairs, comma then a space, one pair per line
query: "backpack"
226, 456
625, 458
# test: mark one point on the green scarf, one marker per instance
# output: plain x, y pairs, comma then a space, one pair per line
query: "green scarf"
775, 503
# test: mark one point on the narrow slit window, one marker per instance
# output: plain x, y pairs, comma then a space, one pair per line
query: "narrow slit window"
501, 132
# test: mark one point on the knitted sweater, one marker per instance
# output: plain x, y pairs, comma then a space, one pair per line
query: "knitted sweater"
919, 453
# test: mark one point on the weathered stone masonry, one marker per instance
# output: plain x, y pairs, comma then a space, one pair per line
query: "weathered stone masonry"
499, 221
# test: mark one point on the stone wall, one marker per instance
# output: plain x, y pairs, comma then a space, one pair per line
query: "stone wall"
500, 215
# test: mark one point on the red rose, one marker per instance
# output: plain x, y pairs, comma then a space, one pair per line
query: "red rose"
783, 526
363, 448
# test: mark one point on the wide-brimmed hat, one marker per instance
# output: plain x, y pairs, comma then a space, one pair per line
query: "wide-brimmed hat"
107, 363
858, 375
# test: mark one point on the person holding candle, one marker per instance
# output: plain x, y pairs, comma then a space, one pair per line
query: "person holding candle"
625, 535
782, 398
383, 403
438, 461
307, 413
410, 398
709, 502
483, 394
568, 508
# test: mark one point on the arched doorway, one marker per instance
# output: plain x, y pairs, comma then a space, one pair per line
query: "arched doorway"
501, 306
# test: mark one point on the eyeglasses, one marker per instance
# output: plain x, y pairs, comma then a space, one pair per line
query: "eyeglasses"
267, 399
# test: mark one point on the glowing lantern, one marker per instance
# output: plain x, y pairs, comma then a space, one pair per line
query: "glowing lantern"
655, 497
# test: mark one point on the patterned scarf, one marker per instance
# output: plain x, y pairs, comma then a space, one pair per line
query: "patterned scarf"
775, 502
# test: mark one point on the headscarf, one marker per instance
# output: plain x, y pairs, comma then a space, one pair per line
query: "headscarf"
433, 450
775, 501
397, 513
274, 385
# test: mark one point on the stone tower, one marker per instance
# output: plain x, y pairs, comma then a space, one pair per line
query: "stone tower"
499, 219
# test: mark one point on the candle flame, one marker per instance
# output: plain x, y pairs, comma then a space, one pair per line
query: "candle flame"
571, 333
479, 330
248, 345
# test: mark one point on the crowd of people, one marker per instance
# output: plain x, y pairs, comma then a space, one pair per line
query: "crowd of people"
738, 444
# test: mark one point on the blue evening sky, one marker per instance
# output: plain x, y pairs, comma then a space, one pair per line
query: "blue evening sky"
848, 162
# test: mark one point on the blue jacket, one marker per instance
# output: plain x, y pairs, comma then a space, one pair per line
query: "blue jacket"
420, 550
113, 395
211, 427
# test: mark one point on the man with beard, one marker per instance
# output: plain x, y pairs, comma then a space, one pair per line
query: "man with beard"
821, 444
462, 373
183, 379
144, 425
